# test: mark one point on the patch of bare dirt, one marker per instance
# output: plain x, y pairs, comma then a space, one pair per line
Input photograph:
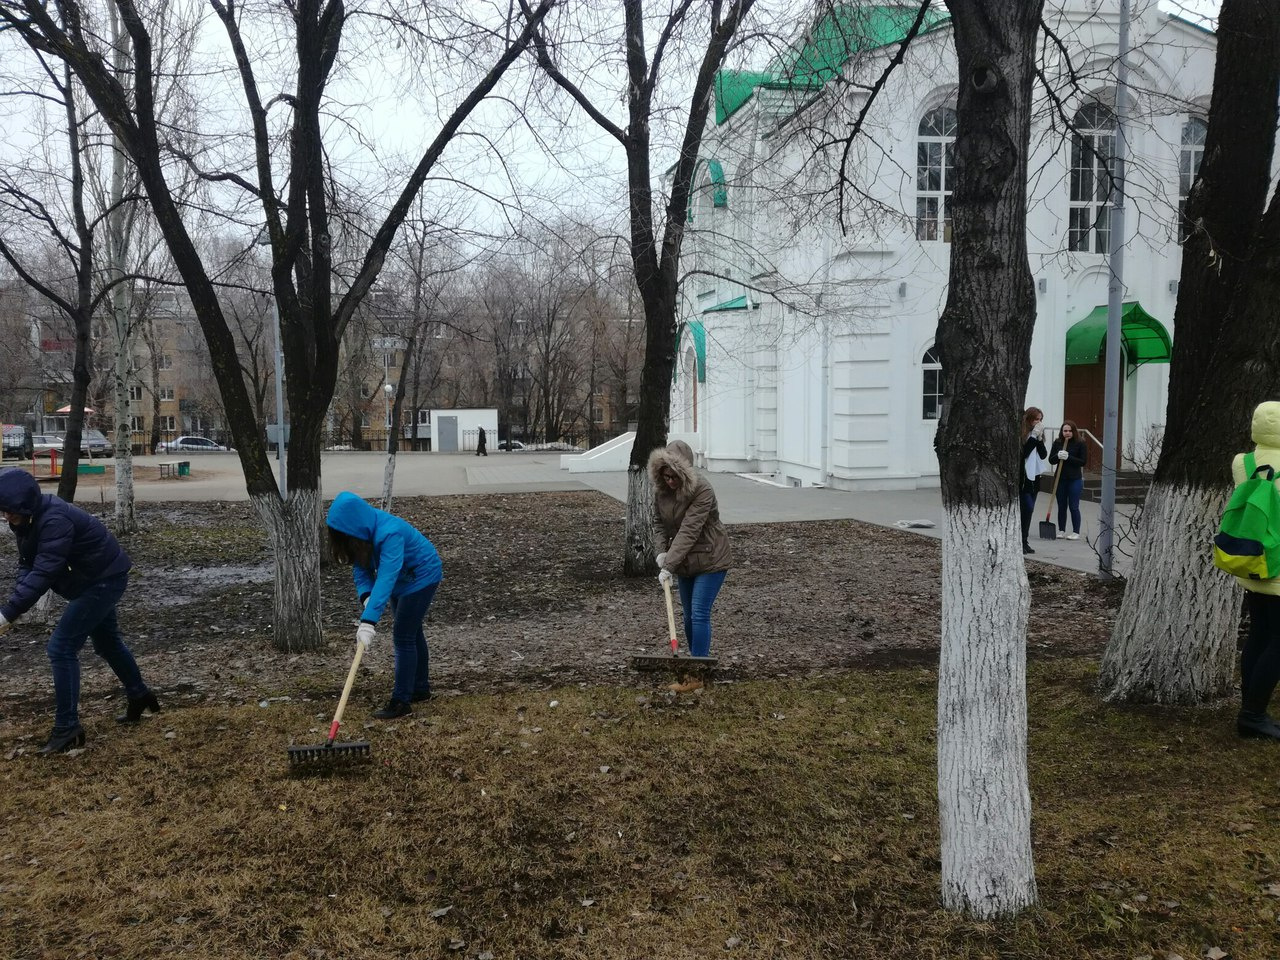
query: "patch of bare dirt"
533, 596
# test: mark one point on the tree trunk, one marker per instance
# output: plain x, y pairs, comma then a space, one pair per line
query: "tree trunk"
1174, 639
126, 518
291, 526
985, 333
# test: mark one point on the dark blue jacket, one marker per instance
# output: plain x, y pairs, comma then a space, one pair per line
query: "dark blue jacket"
61, 548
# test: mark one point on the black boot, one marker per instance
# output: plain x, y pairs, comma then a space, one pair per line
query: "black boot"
63, 740
1256, 725
421, 697
1026, 547
394, 709
133, 712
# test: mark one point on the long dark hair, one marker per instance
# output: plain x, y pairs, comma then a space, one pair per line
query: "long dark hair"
350, 550
1029, 420
1075, 433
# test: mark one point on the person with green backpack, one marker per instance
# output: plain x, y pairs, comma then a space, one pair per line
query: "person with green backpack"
1248, 546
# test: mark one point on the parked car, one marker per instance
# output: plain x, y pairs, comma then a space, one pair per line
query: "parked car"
190, 445
510, 445
17, 442
94, 443
44, 442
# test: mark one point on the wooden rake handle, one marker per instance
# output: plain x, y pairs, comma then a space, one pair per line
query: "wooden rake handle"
1057, 472
346, 692
671, 617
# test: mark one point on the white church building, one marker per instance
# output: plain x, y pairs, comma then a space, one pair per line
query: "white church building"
806, 350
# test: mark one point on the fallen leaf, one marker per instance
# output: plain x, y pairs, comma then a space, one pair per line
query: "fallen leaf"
1272, 890
731, 943
284, 806
1216, 953
437, 914
588, 902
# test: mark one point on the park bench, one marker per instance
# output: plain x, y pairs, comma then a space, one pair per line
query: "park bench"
175, 468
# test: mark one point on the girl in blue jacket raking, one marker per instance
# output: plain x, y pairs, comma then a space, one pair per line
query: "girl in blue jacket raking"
63, 549
393, 565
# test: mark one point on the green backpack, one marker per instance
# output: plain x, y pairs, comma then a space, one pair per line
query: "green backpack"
1248, 540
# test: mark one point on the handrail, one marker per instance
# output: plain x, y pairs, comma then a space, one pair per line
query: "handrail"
1090, 436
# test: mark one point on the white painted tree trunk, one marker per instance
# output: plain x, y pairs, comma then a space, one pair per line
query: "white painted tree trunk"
296, 546
388, 480
126, 519
984, 801
638, 535
1174, 640
42, 612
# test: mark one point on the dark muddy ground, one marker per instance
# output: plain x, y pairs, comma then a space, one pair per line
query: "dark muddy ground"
533, 597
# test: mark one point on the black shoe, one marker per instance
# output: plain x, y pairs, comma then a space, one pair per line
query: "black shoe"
394, 708
422, 697
61, 741
1257, 725
137, 705
1026, 548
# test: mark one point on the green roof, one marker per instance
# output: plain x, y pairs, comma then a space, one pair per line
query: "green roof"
699, 334
737, 303
1145, 338
838, 35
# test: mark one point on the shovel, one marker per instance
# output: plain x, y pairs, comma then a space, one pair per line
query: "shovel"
330, 753
1049, 530
673, 662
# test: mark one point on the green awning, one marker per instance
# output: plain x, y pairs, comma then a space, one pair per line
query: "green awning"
737, 303
1145, 338
699, 334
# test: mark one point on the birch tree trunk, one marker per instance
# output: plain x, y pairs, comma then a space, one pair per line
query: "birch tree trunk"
1175, 636
984, 334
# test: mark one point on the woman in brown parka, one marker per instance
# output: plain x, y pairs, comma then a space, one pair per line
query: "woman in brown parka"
691, 541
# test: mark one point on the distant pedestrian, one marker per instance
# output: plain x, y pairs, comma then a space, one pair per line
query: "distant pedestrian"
1033, 455
63, 549
393, 565
1069, 451
1260, 657
692, 542
480, 450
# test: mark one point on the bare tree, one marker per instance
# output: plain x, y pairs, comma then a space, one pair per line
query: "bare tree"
1174, 638
985, 333
656, 231
298, 229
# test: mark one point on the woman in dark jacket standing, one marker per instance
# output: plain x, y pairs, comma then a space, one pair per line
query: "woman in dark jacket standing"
691, 540
63, 549
1029, 485
1069, 450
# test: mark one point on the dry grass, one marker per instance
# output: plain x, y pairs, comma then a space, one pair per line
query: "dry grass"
788, 819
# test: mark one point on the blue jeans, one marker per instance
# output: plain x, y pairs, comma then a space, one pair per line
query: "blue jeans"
413, 661
1069, 496
697, 594
92, 614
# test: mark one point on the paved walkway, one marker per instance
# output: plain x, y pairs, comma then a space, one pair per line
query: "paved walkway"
219, 477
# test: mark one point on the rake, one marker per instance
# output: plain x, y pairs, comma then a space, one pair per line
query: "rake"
672, 662
330, 753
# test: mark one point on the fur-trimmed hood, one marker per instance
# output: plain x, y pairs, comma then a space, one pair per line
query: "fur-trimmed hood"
677, 457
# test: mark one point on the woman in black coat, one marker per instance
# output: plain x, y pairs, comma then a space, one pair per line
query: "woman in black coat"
1070, 451
1032, 443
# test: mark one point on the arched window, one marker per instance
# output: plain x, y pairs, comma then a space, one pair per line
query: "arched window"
1093, 144
935, 169
931, 363
1193, 134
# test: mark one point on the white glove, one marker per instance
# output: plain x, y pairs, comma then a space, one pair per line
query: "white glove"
662, 559
664, 576
365, 634
1062, 454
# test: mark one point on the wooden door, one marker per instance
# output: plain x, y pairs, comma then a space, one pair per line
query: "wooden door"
1084, 401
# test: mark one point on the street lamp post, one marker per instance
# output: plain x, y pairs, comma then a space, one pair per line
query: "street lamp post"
387, 391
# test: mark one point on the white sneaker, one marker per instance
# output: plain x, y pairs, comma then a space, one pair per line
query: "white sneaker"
1073, 536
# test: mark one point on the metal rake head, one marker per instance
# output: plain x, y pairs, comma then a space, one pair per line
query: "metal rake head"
321, 754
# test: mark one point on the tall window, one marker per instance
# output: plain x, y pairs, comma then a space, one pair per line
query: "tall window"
935, 170
1193, 134
135, 394
1092, 146
166, 393
932, 388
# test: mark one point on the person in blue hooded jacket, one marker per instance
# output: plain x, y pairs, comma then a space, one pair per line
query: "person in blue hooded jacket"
393, 565
63, 549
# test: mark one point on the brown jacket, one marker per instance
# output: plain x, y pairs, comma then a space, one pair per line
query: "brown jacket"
688, 528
